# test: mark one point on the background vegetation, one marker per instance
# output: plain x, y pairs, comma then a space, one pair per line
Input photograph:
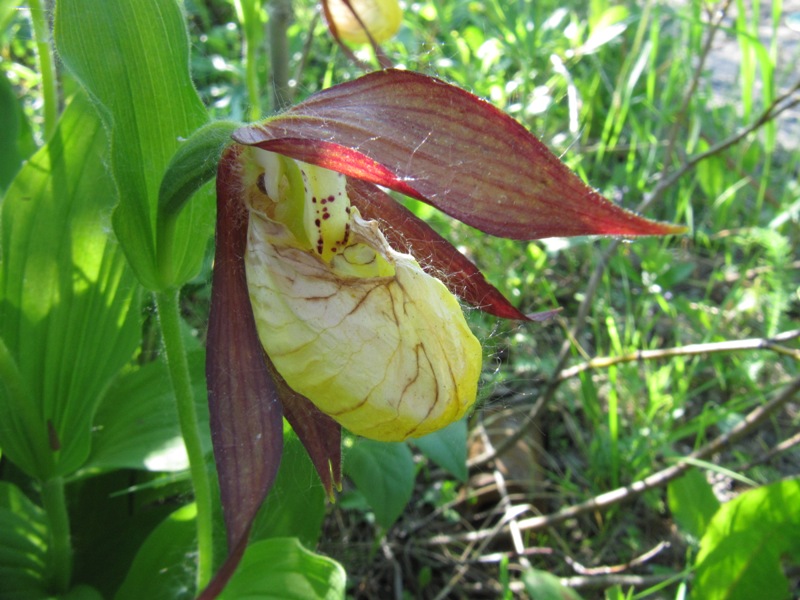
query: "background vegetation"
605, 442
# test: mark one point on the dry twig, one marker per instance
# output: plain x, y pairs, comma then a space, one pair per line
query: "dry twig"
623, 494
779, 105
689, 350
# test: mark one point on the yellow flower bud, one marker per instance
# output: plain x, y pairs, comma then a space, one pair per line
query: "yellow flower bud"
356, 327
381, 17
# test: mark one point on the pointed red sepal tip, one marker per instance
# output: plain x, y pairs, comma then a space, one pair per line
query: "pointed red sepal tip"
438, 143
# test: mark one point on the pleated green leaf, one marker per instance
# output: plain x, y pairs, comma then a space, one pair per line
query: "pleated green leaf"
23, 545
68, 300
692, 502
133, 57
136, 426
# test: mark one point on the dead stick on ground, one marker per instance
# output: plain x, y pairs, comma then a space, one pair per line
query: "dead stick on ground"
753, 420
690, 350
778, 106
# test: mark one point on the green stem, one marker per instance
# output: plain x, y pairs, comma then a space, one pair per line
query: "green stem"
169, 316
251, 73
248, 12
280, 17
47, 68
59, 549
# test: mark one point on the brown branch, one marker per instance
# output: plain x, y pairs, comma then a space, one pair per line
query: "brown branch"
611, 569
778, 106
689, 350
626, 581
623, 494
785, 445
695, 80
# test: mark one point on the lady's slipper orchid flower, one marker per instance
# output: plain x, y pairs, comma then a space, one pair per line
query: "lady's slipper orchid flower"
326, 306
350, 323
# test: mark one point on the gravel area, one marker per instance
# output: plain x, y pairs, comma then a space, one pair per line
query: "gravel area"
725, 59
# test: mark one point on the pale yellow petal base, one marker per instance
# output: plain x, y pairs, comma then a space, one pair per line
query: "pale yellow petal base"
387, 357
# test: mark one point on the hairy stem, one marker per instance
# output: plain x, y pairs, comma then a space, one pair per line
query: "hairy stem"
47, 68
169, 317
248, 13
280, 17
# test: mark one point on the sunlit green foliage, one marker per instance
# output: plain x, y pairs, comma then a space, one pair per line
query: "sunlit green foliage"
86, 406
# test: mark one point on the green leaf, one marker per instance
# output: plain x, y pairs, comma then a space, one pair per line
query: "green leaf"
282, 569
692, 502
604, 28
137, 427
742, 552
16, 143
110, 522
133, 57
295, 507
447, 448
163, 567
384, 473
82, 592
615, 593
7, 10
544, 586
23, 545
69, 314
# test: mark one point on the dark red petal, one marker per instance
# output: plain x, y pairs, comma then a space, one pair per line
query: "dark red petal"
320, 434
246, 415
436, 142
408, 233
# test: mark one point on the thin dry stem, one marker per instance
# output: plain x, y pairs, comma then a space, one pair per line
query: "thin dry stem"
623, 494
611, 569
779, 105
772, 344
695, 81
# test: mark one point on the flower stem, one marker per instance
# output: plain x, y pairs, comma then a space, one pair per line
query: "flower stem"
46, 66
280, 16
169, 316
248, 13
59, 549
